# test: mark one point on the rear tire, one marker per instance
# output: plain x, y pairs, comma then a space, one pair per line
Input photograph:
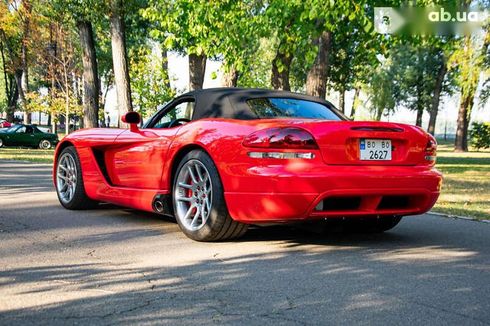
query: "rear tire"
69, 181
198, 201
45, 144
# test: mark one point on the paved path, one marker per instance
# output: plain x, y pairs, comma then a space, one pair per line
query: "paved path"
113, 266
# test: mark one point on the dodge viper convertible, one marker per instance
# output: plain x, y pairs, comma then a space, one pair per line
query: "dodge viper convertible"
221, 159
27, 135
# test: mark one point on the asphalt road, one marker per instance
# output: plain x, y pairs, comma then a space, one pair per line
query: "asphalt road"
117, 266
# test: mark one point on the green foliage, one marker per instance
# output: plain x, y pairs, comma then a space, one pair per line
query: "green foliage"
79, 10
149, 81
55, 103
408, 74
257, 73
480, 135
381, 90
221, 29
184, 25
468, 61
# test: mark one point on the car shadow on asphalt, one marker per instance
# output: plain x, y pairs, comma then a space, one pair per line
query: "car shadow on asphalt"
274, 274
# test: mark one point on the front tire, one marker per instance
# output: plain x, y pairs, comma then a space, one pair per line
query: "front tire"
198, 201
44, 144
69, 181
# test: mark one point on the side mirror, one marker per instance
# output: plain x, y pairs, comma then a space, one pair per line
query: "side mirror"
133, 119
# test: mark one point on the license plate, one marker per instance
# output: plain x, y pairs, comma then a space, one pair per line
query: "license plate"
375, 149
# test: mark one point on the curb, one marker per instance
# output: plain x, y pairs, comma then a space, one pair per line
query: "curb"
466, 218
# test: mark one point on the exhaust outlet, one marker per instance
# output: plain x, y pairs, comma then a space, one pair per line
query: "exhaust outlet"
161, 204
159, 207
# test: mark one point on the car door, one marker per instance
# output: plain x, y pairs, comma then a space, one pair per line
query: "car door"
22, 136
33, 137
138, 158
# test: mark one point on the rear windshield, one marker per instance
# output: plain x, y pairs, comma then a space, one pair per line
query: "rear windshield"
266, 108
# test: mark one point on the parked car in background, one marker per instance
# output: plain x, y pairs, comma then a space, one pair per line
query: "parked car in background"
27, 135
5, 124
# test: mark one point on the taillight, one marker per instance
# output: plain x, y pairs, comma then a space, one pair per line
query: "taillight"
284, 138
431, 149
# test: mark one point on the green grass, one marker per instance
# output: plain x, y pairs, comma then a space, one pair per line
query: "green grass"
465, 190
27, 154
466, 186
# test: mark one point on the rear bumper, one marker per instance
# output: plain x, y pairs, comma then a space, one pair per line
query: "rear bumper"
284, 195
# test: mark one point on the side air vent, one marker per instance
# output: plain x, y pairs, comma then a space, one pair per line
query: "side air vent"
99, 157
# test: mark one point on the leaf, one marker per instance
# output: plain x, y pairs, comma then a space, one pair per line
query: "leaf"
368, 26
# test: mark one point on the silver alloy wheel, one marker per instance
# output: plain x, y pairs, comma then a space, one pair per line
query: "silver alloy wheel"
193, 195
66, 177
45, 144
1, 142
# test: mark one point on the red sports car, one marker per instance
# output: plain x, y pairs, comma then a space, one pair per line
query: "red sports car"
221, 159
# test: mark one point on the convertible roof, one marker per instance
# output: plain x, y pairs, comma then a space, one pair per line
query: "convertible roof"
230, 102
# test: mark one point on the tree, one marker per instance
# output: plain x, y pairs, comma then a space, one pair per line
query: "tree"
285, 21
150, 81
90, 75
80, 14
15, 29
438, 88
409, 70
187, 27
316, 80
353, 56
381, 91
11, 91
342, 32
119, 57
469, 60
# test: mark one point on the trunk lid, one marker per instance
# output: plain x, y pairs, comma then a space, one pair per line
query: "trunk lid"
339, 141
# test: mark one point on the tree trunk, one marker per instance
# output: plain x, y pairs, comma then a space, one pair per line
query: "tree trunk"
355, 103
11, 91
67, 114
119, 58
25, 84
316, 80
197, 69
165, 66
464, 112
436, 97
24, 60
280, 70
90, 78
342, 100
420, 113
12, 105
230, 77
379, 114
22, 97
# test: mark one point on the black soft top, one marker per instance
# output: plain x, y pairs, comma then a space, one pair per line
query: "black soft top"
230, 102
